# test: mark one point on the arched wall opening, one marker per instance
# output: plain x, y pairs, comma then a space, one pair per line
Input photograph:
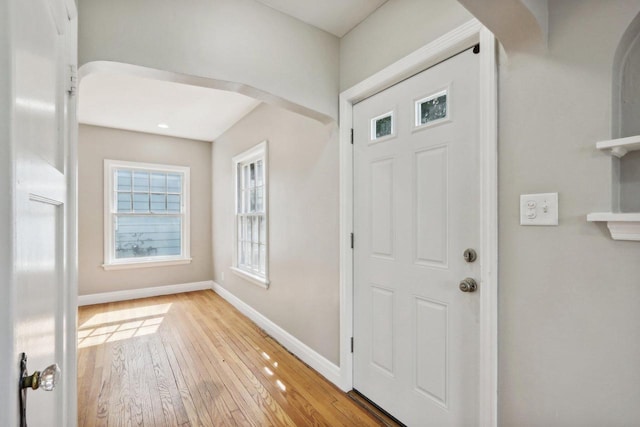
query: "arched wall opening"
626, 83
625, 115
96, 67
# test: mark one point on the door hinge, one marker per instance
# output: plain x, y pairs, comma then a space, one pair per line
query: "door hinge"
351, 344
351, 136
72, 80
352, 239
476, 48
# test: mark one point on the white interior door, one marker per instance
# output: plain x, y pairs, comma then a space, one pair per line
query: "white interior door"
416, 211
40, 142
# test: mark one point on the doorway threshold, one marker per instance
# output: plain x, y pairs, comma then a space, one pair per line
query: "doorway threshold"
380, 414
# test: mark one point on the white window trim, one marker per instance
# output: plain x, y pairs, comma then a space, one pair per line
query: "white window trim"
110, 262
259, 151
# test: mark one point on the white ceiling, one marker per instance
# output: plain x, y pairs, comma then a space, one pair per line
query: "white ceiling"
337, 17
141, 104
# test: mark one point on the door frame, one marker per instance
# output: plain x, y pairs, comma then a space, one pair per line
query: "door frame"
70, 373
463, 37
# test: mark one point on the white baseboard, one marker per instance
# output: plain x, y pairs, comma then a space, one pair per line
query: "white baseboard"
309, 356
142, 293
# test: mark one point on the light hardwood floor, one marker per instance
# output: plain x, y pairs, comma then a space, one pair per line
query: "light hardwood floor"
193, 360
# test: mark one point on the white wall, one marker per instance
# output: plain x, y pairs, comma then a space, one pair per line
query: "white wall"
98, 143
569, 295
239, 41
396, 29
303, 297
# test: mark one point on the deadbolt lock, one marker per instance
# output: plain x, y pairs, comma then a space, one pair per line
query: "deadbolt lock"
470, 255
468, 285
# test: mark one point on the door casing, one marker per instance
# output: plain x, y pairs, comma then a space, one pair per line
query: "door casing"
461, 38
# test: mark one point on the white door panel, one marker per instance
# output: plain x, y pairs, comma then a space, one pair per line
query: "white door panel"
416, 210
39, 197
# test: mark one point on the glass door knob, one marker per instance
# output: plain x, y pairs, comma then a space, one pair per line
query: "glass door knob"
45, 380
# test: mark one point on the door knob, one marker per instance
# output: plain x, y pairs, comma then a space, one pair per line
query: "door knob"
45, 380
468, 285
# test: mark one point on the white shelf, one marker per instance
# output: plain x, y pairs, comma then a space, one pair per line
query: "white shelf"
620, 146
622, 226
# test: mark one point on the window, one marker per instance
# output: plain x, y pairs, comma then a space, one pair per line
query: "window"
251, 224
383, 127
146, 215
432, 109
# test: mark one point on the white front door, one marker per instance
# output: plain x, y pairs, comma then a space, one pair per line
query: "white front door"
416, 211
36, 190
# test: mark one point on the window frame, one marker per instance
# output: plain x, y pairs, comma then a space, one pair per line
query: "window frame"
257, 152
110, 206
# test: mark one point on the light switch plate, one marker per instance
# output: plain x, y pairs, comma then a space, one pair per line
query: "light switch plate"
539, 209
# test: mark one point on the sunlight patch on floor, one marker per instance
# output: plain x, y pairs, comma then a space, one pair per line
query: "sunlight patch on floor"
126, 314
121, 325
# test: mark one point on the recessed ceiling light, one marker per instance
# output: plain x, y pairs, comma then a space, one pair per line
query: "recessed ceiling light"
163, 126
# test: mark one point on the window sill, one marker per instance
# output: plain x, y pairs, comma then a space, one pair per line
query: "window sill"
256, 280
145, 263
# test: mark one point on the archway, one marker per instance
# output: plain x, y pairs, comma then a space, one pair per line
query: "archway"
120, 68
625, 110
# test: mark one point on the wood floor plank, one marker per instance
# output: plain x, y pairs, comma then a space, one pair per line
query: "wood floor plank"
86, 360
194, 360
141, 407
211, 374
119, 410
151, 382
266, 405
236, 373
305, 401
229, 375
190, 400
104, 395
172, 405
204, 386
